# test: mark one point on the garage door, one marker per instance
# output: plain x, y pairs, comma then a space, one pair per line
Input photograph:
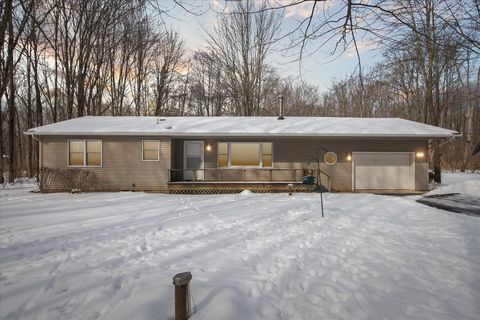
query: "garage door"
383, 170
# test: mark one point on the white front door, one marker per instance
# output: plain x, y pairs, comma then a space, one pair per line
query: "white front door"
384, 170
193, 160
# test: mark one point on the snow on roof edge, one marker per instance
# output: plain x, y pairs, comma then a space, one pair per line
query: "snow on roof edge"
242, 126
177, 134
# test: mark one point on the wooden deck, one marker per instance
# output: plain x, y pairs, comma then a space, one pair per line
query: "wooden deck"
199, 187
261, 180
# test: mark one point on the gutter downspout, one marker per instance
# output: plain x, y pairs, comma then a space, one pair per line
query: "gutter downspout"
440, 144
446, 141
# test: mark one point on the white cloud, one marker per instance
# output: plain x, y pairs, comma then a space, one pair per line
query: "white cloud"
220, 6
304, 9
362, 46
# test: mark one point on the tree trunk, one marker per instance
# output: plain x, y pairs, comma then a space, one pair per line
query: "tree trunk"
470, 121
2, 178
38, 101
184, 97
437, 170
29, 119
19, 149
81, 95
55, 89
11, 104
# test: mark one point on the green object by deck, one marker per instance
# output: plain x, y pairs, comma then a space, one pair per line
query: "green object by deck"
308, 180
320, 189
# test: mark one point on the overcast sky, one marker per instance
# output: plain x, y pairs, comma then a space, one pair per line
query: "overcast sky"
318, 69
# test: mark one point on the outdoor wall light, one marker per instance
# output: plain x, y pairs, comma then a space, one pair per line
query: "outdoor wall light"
208, 147
349, 156
420, 154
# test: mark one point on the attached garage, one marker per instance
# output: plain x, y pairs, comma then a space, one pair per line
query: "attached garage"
383, 171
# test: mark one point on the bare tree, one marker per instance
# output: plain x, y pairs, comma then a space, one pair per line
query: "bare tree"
66, 58
208, 96
145, 38
168, 52
242, 41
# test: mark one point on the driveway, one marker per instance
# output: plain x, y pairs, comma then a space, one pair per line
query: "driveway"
454, 202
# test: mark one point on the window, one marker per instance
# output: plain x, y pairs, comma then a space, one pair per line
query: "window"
266, 154
244, 154
150, 150
330, 158
94, 153
85, 153
222, 154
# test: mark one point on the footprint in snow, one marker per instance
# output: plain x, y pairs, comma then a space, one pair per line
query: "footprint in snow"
118, 283
254, 293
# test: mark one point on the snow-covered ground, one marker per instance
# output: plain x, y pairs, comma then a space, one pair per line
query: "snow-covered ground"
465, 183
113, 255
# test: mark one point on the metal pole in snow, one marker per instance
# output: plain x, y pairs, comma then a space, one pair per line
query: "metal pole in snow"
182, 308
319, 179
321, 202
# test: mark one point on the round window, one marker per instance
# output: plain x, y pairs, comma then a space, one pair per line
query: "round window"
330, 158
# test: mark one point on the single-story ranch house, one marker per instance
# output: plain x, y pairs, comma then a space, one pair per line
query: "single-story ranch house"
230, 154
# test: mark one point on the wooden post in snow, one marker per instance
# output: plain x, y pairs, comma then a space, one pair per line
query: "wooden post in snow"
181, 282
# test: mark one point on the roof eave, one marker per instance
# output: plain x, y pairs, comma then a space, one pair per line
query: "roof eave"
204, 134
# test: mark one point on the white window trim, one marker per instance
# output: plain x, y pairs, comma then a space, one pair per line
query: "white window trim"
158, 147
229, 154
84, 153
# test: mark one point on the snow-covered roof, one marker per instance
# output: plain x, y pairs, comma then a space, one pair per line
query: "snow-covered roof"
243, 126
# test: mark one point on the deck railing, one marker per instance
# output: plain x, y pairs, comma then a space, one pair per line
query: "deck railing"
247, 175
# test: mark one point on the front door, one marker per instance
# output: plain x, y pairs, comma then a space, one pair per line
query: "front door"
193, 160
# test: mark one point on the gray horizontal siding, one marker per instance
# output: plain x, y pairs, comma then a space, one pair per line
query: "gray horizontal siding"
290, 153
122, 165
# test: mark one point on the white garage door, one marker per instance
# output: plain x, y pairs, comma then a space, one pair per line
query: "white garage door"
383, 170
